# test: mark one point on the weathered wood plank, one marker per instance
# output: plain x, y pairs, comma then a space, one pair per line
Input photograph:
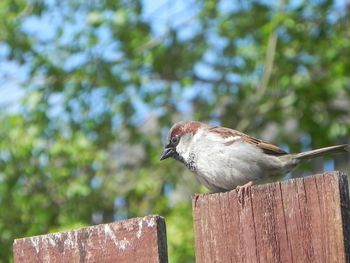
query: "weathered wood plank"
299, 220
133, 240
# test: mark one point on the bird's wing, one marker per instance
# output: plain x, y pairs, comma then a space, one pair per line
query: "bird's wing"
227, 134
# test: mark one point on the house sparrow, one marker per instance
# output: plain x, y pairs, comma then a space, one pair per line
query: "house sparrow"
224, 159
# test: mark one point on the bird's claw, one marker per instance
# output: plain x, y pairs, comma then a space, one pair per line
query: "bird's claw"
243, 190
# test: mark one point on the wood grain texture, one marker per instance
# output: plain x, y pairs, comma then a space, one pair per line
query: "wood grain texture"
133, 240
299, 220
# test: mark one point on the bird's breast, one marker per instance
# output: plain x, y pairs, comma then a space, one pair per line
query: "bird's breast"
226, 167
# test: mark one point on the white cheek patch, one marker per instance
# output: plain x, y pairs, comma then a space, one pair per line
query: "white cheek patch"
180, 149
185, 146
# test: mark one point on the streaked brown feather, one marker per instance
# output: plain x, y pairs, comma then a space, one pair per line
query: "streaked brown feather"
266, 147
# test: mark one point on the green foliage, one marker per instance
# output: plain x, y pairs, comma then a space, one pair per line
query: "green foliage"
102, 88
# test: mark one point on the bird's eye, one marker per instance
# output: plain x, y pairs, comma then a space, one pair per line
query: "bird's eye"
175, 140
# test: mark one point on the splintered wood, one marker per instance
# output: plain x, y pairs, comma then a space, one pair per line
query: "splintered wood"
299, 220
134, 240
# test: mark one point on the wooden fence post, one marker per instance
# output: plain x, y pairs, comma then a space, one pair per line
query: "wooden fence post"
133, 240
299, 220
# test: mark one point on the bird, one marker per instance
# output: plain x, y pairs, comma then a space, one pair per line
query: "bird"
224, 159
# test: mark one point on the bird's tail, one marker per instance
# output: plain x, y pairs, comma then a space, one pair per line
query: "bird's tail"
322, 151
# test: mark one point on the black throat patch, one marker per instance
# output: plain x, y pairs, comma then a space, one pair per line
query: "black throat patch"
190, 163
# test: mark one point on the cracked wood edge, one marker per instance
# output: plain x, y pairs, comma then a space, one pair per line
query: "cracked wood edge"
133, 240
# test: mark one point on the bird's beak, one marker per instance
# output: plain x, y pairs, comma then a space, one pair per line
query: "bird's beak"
167, 152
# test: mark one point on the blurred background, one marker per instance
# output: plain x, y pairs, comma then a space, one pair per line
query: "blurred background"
89, 89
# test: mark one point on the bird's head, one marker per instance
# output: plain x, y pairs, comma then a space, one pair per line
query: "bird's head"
181, 139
